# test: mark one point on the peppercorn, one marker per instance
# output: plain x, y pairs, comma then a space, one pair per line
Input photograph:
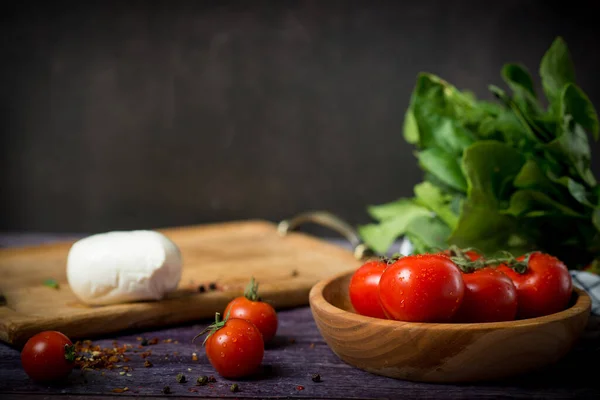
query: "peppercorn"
166, 390
316, 378
234, 388
180, 378
201, 289
144, 342
212, 286
202, 380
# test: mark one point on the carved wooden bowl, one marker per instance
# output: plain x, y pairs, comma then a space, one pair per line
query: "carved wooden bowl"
445, 352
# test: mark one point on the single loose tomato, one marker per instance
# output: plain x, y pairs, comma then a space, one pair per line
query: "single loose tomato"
48, 356
421, 288
251, 308
364, 289
234, 347
490, 296
545, 287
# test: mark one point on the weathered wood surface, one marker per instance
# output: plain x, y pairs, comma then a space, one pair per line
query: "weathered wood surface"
289, 365
225, 253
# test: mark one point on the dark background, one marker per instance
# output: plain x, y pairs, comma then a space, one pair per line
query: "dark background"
125, 115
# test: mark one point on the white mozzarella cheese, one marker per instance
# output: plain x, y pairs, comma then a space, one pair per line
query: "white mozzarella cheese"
123, 266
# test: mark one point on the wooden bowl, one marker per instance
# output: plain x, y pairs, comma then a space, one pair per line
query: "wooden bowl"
444, 352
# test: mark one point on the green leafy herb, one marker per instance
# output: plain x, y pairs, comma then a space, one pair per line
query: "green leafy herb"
512, 175
52, 283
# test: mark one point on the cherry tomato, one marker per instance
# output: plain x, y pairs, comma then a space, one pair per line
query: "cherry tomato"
544, 288
251, 308
490, 296
48, 356
364, 289
421, 288
234, 347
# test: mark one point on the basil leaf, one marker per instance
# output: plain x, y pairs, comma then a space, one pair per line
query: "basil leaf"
556, 70
574, 102
411, 128
427, 234
432, 197
490, 168
519, 80
533, 203
393, 209
380, 237
444, 166
572, 146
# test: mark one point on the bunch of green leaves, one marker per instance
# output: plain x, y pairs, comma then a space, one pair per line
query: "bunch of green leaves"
510, 175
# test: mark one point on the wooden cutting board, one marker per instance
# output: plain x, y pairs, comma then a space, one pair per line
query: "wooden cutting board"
228, 254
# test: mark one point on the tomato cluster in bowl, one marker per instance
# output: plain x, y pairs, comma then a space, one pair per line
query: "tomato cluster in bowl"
461, 286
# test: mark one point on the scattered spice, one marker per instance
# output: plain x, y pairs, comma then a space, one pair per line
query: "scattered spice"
146, 353
312, 346
180, 378
2, 300
201, 289
52, 283
144, 342
120, 390
194, 357
294, 272
292, 340
234, 388
212, 286
147, 364
192, 390
153, 341
299, 387
175, 353
211, 379
316, 378
122, 373
129, 375
139, 338
166, 390
90, 356
168, 341
202, 380
189, 369
175, 341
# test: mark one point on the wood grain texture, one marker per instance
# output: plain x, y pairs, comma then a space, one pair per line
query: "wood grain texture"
431, 352
227, 253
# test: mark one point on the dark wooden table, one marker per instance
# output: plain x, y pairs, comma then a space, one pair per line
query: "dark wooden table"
297, 352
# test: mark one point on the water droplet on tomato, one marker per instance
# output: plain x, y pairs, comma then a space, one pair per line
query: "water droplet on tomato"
224, 344
222, 354
228, 333
234, 340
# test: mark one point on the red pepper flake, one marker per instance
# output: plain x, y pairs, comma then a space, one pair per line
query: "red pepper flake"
168, 341
175, 353
192, 390
120, 390
147, 364
299, 387
153, 341
139, 338
212, 379
146, 354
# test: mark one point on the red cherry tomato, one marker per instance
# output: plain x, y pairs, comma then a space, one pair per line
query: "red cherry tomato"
364, 289
490, 296
235, 347
48, 356
421, 288
544, 288
251, 308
